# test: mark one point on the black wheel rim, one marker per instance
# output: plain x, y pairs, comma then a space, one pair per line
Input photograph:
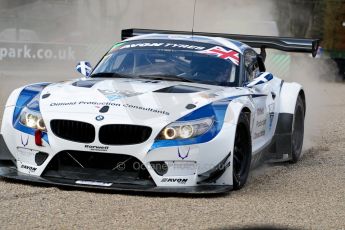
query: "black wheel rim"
298, 131
240, 158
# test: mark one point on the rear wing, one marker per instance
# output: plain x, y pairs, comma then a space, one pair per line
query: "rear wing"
288, 44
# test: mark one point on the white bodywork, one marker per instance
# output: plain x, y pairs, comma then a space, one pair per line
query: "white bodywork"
82, 104
156, 110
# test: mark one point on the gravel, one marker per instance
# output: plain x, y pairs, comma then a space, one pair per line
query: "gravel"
306, 195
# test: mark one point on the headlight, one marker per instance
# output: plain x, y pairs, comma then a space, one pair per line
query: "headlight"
32, 119
186, 129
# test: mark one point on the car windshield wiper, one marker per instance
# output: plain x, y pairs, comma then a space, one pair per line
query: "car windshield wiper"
110, 75
168, 77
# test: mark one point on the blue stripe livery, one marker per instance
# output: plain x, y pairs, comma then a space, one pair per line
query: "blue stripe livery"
28, 97
216, 110
269, 77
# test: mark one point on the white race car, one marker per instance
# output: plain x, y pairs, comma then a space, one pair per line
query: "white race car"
163, 111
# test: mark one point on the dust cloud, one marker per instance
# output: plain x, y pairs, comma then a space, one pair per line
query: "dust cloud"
316, 75
249, 17
91, 27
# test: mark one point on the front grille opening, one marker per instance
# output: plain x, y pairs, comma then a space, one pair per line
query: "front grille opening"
105, 167
76, 131
120, 134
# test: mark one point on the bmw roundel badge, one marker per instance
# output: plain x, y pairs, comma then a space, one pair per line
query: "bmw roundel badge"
99, 118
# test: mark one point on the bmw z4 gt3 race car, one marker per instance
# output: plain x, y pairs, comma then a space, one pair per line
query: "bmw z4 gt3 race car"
162, 111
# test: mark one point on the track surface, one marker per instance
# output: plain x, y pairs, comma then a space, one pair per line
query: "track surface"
309, 194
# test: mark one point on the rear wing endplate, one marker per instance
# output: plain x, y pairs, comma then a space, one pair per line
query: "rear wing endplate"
288, 44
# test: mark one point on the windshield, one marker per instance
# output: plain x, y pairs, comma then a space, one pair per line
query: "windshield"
171, 60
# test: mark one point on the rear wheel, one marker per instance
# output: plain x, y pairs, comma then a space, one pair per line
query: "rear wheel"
297, 131
242, 152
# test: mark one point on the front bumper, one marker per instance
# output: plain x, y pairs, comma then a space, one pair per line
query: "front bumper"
11, 173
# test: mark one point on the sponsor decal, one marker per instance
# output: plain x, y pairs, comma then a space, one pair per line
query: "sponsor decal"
140, 45
97, 148
260, 111
26, 155
261, 123
62, 103
94, 183
221, 52
99, 118
24, 142
98, 104
117, 94
174, 180
259, 134
271, 113
181, 154
179, 36
95, 103
271, 120
30, 168
163, 45
184, 46
146, 109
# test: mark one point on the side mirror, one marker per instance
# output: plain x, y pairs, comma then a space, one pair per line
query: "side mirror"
261, 79
261, 63
84, 67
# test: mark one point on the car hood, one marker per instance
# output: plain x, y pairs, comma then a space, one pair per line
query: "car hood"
134, 101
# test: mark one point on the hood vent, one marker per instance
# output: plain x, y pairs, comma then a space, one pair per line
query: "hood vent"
85, 84
181, 89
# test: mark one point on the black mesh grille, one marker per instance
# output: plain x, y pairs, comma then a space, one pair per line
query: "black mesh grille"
105, 167
73, 130
123, 134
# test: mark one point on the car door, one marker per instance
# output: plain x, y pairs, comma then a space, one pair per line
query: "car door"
260, 86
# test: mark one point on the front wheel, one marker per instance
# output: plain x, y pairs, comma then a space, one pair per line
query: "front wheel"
242, 152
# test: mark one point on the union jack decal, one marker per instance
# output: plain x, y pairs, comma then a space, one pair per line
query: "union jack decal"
220, 52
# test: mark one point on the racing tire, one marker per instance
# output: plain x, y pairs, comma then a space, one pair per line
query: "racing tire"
297, 131
242, 152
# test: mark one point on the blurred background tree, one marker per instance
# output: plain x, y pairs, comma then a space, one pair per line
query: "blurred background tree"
314, 18
97, 24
